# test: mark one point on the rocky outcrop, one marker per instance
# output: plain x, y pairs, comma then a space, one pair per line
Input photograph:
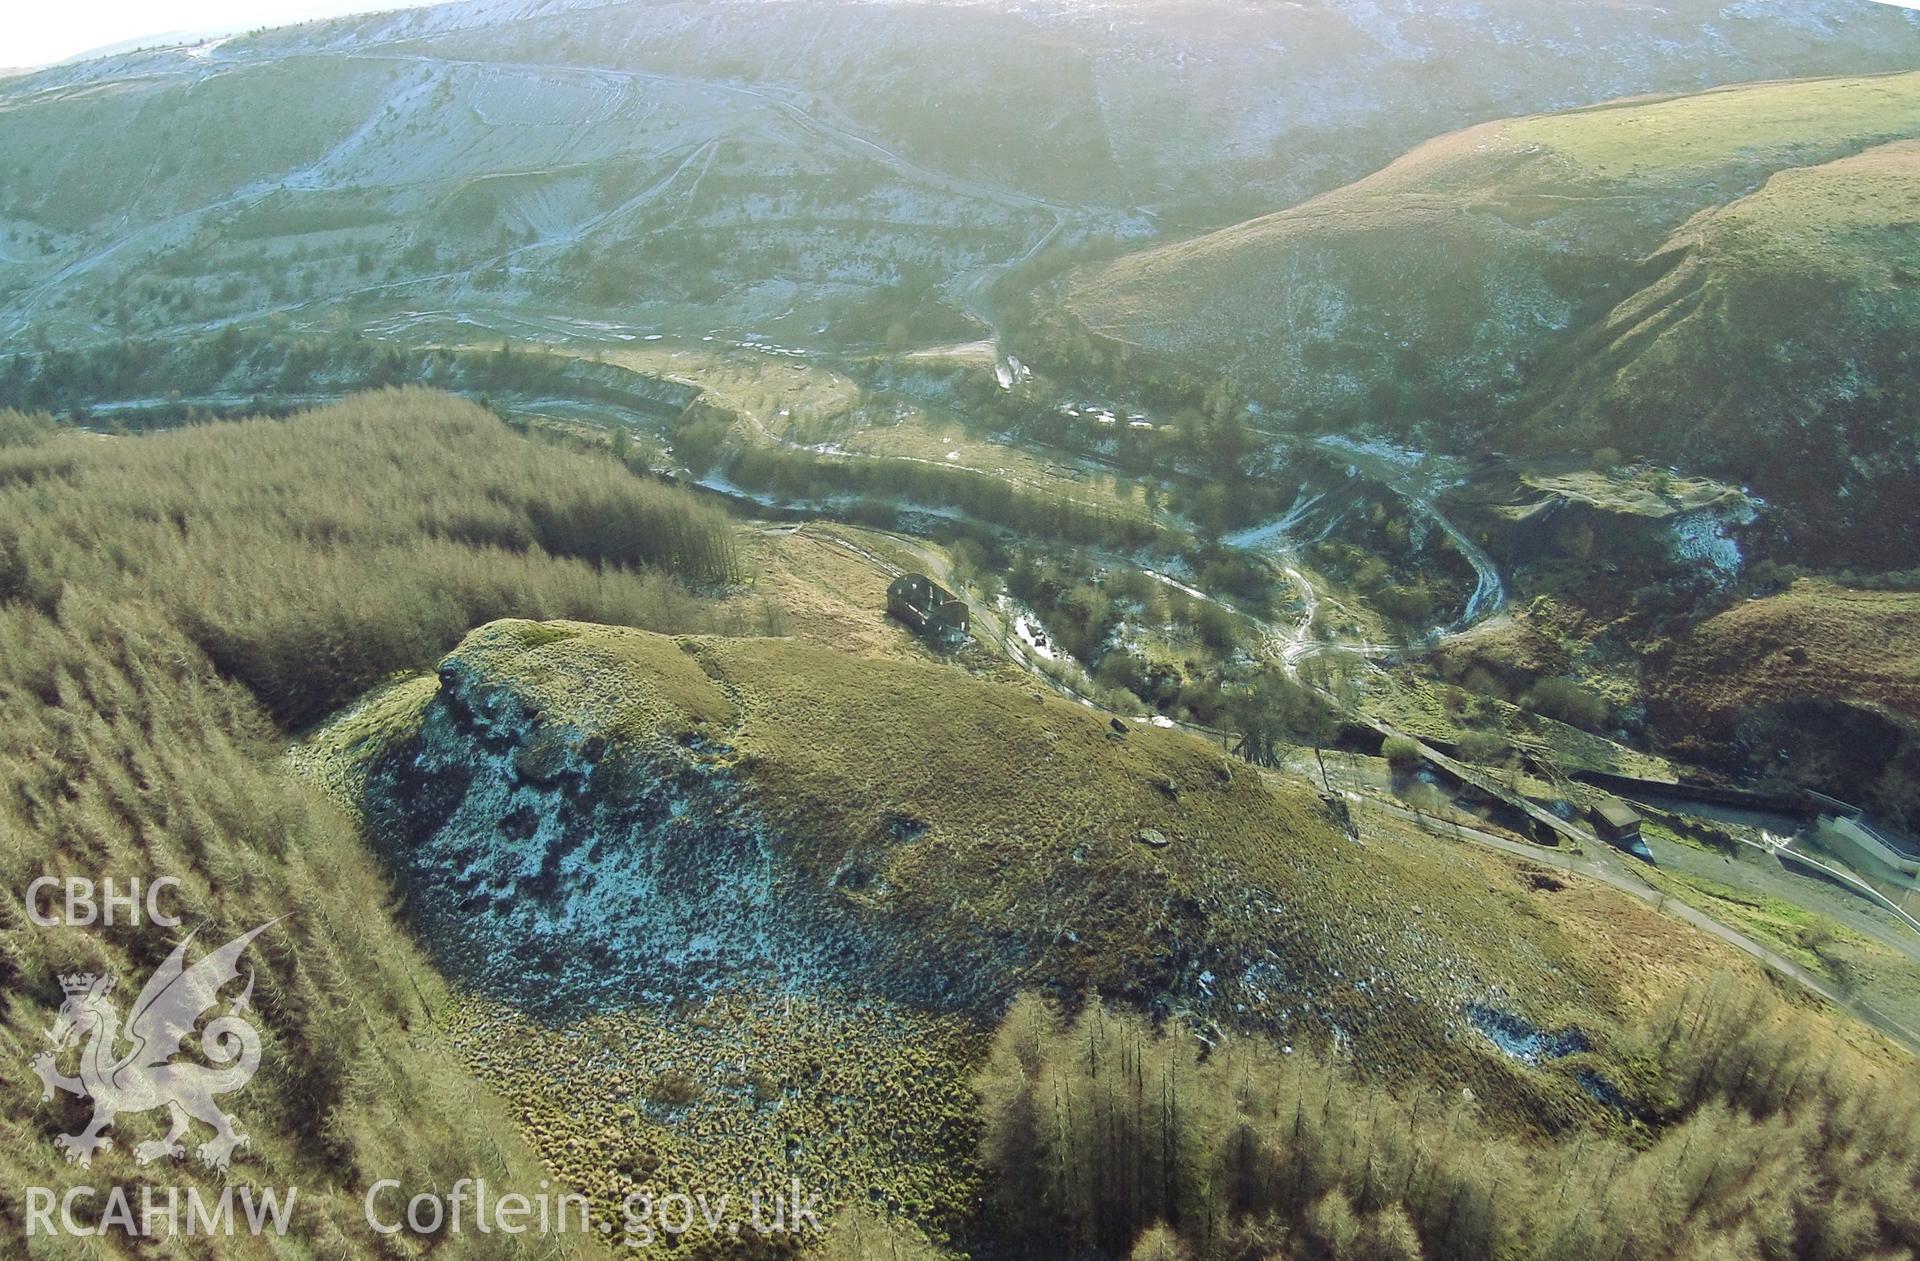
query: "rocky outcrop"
557, 856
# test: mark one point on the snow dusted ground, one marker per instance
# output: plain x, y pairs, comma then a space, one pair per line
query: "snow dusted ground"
752, 158
524, 177
1705, 538
1027, 628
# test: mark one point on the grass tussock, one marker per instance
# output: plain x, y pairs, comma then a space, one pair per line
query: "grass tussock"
866, 1102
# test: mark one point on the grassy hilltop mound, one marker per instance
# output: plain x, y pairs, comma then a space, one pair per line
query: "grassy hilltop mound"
1551, 281
594, 813
758, 902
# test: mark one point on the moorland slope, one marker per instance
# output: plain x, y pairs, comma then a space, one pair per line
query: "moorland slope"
1724, 278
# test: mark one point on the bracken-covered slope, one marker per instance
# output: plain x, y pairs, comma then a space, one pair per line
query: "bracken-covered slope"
1716, 277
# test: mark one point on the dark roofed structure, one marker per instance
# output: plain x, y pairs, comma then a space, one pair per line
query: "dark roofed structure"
927, 607
1618, 824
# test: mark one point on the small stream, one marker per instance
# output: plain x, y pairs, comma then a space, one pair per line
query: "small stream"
1489, 591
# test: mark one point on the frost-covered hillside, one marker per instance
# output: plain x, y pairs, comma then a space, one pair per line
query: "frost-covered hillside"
831, 173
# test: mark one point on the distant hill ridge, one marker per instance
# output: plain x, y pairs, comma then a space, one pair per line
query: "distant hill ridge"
681, 167
1727, 277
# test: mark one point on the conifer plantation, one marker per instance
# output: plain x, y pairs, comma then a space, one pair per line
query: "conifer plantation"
1110, 1136
171, 605
310, 558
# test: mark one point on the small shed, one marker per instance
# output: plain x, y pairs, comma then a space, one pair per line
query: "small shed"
927, 607
1616, 822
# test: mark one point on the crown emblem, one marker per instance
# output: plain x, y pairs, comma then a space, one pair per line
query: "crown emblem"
75, 983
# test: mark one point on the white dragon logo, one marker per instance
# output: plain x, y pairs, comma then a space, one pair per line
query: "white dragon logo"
145, 1078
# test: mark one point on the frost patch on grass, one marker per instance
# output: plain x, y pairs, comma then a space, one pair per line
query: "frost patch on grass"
1520, 1039
1703, 538
557, 869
